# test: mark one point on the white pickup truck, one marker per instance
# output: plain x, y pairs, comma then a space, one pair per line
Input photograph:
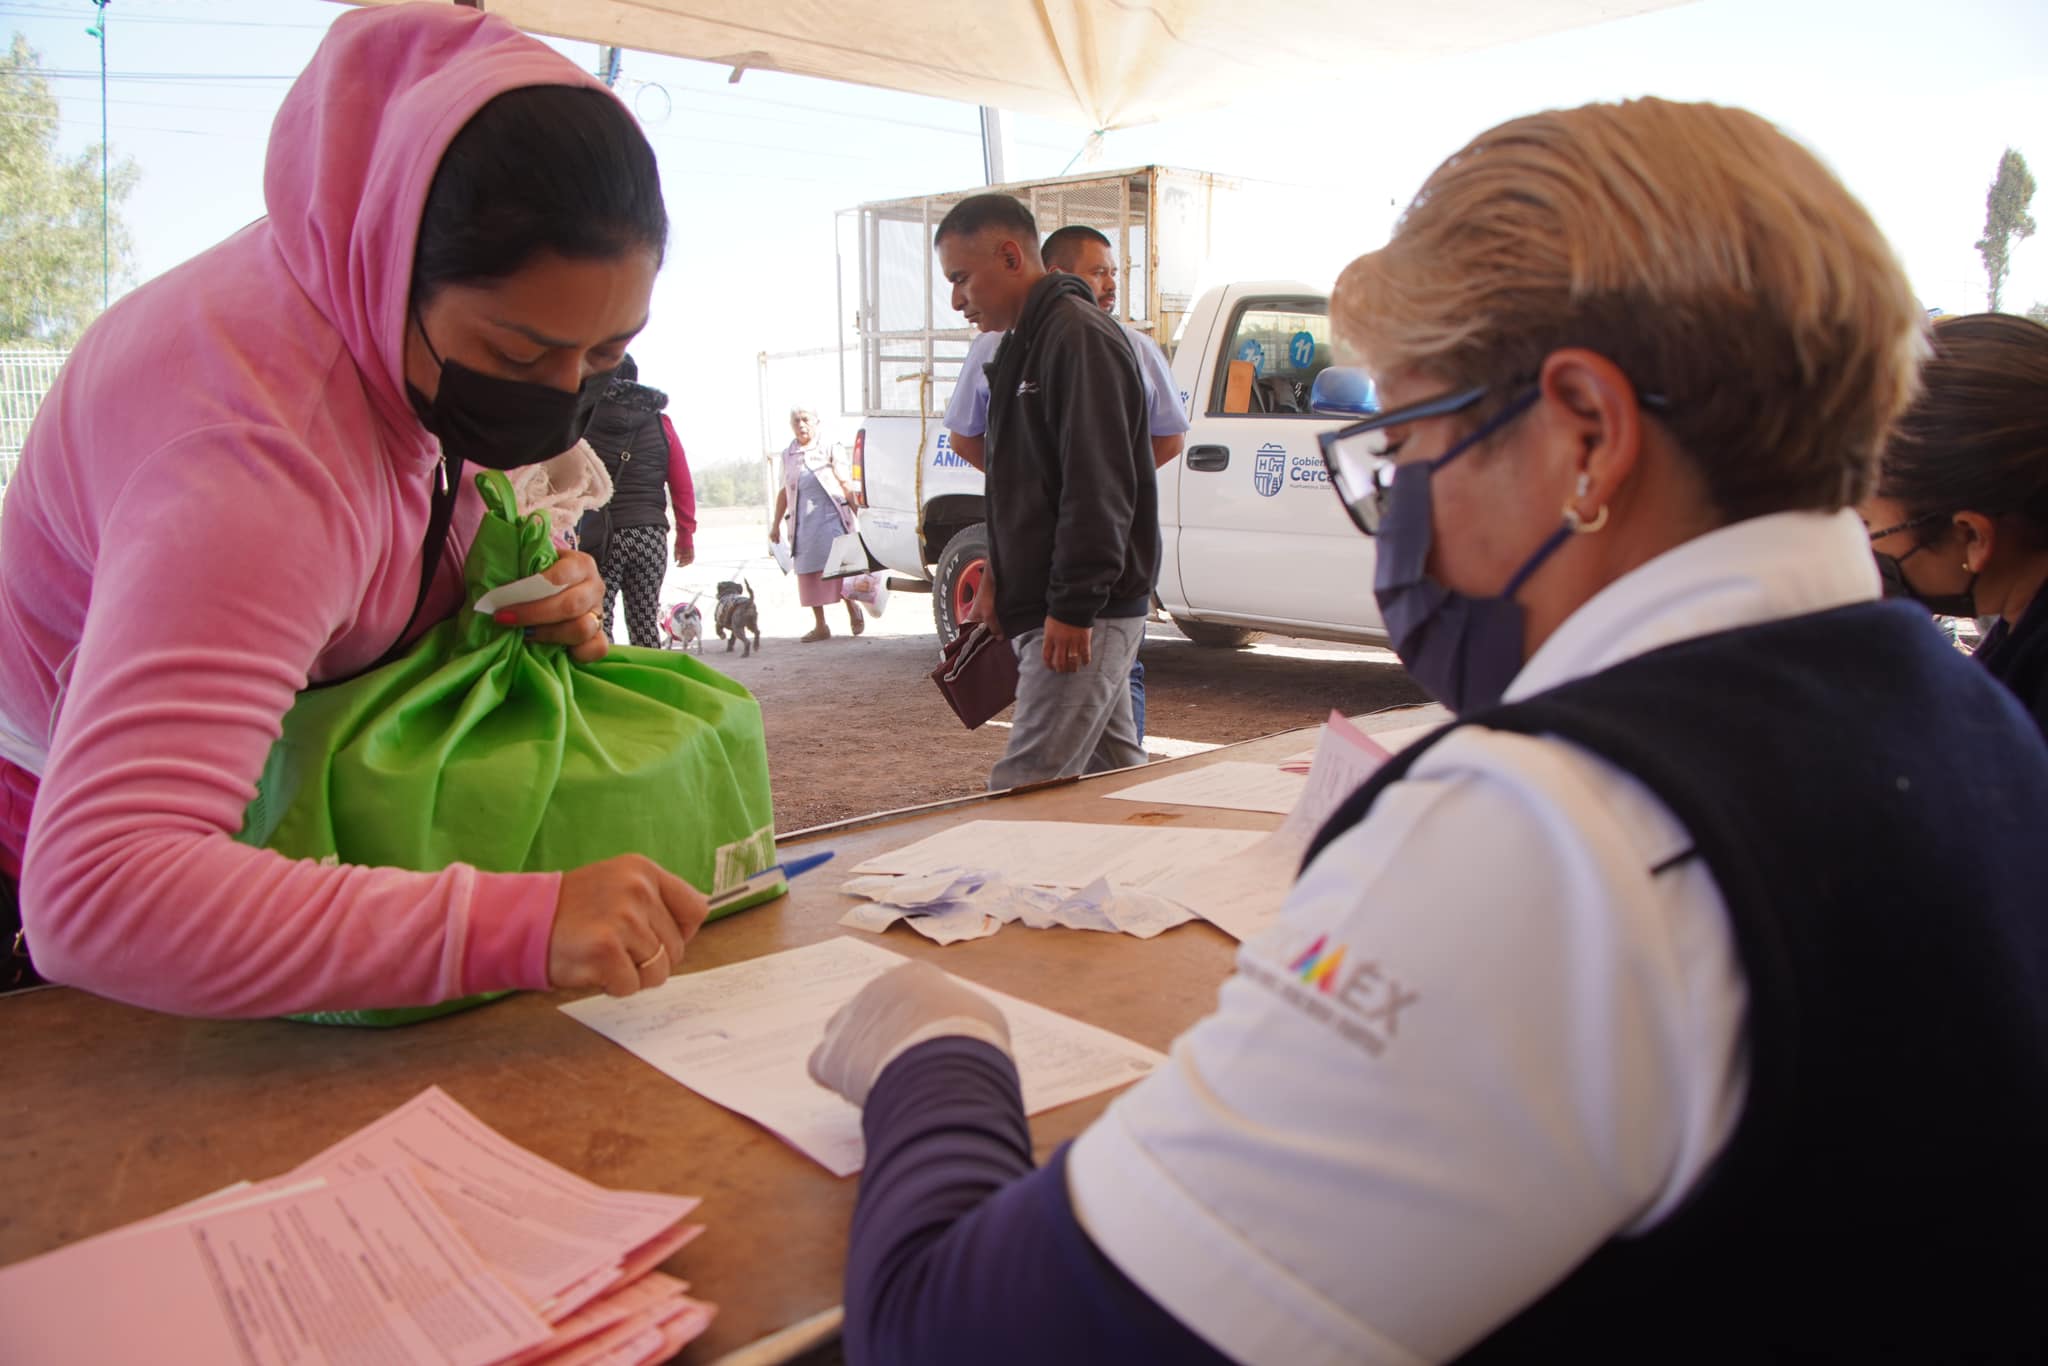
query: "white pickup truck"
1254, 538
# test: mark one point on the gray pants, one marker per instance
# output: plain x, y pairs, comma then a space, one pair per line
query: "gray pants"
1068, 724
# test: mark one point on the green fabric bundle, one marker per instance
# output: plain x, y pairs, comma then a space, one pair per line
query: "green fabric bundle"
479, 746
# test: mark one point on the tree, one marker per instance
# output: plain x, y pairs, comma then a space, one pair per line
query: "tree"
734, 484
2039, 313
50, 213
2006, 218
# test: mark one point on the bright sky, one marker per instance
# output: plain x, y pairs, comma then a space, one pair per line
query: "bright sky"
1911, 103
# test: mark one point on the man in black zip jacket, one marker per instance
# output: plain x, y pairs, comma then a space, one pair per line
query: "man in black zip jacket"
1073, 507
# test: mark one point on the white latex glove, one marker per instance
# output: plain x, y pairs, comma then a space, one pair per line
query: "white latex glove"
897, 1011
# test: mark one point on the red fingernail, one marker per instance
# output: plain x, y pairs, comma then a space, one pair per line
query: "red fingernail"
503, 616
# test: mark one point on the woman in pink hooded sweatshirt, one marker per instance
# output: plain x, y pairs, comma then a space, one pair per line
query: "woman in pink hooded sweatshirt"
249, 478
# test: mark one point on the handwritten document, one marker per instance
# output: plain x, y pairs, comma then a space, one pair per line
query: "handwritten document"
1062, 853
740, 1037
1231, 786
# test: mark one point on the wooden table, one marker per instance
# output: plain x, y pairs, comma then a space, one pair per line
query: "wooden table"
110, 1114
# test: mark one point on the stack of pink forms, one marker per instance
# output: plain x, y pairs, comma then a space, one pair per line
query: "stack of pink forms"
424, 1237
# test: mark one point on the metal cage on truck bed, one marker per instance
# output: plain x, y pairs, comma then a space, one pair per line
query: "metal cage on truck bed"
911, 342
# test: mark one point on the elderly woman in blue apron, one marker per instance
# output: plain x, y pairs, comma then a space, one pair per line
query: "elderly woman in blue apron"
819, 507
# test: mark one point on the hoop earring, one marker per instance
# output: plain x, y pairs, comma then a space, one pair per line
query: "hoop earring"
1579, 526
1576, 524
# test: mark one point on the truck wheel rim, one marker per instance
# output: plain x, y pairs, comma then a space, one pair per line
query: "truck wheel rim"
967, 588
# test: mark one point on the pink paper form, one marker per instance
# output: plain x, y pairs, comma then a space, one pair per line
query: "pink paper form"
551, 1235
363, 1270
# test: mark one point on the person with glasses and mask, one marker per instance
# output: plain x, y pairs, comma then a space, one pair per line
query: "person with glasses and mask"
254, 474
1682, 1000
1959, 522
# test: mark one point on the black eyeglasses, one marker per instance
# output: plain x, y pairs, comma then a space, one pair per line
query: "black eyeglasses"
1355, 456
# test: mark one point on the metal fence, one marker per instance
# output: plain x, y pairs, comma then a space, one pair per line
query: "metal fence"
26, 374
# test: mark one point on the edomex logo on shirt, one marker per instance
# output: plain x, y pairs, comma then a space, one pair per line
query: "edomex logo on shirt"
1326, 982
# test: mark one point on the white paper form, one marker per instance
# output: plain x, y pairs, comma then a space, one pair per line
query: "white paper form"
1230, 786
367, 1270
1062, 853
551, 1235
740, 1037
1243, 894
1392, 741
949, 907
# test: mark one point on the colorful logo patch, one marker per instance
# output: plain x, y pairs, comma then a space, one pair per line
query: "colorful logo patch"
1357, 998
1317, 966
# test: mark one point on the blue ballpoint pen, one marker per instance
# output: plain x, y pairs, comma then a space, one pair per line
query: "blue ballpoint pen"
769, 877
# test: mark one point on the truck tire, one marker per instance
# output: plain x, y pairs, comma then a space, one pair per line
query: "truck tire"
1211, 636
961, 572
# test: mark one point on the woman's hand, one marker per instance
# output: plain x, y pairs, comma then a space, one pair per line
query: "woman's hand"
570, 616
621, 925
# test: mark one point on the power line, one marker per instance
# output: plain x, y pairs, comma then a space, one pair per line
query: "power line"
122, 127
179, 104
128, 16
68, 74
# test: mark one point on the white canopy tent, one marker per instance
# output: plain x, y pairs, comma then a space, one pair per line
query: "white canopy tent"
1102, 64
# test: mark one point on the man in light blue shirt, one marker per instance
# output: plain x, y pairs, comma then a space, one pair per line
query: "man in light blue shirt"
1082, 251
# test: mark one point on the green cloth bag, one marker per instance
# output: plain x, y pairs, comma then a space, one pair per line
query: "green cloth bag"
479, 746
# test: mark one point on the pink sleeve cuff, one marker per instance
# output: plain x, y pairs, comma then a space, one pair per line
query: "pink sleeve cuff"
512, 916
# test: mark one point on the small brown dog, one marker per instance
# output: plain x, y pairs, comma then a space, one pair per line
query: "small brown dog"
737, 617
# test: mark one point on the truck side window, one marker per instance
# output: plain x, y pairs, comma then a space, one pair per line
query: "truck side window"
1275, 350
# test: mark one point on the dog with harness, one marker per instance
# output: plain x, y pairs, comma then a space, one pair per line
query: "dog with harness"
682, 627
737, 617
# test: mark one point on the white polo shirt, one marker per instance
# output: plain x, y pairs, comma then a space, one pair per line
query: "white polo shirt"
967, 413
1486, 1035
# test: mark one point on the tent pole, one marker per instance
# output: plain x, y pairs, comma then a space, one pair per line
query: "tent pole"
992, 145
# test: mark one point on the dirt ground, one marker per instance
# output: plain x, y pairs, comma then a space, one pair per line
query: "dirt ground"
856, 725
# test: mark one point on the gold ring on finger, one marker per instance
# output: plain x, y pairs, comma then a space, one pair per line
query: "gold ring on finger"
650, 959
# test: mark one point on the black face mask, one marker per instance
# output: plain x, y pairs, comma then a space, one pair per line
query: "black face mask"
1891, 571
502, 424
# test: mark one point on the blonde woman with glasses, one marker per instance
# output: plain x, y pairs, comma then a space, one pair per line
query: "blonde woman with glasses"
1683, 999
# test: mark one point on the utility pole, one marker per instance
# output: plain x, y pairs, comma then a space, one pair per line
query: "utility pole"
99, 31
